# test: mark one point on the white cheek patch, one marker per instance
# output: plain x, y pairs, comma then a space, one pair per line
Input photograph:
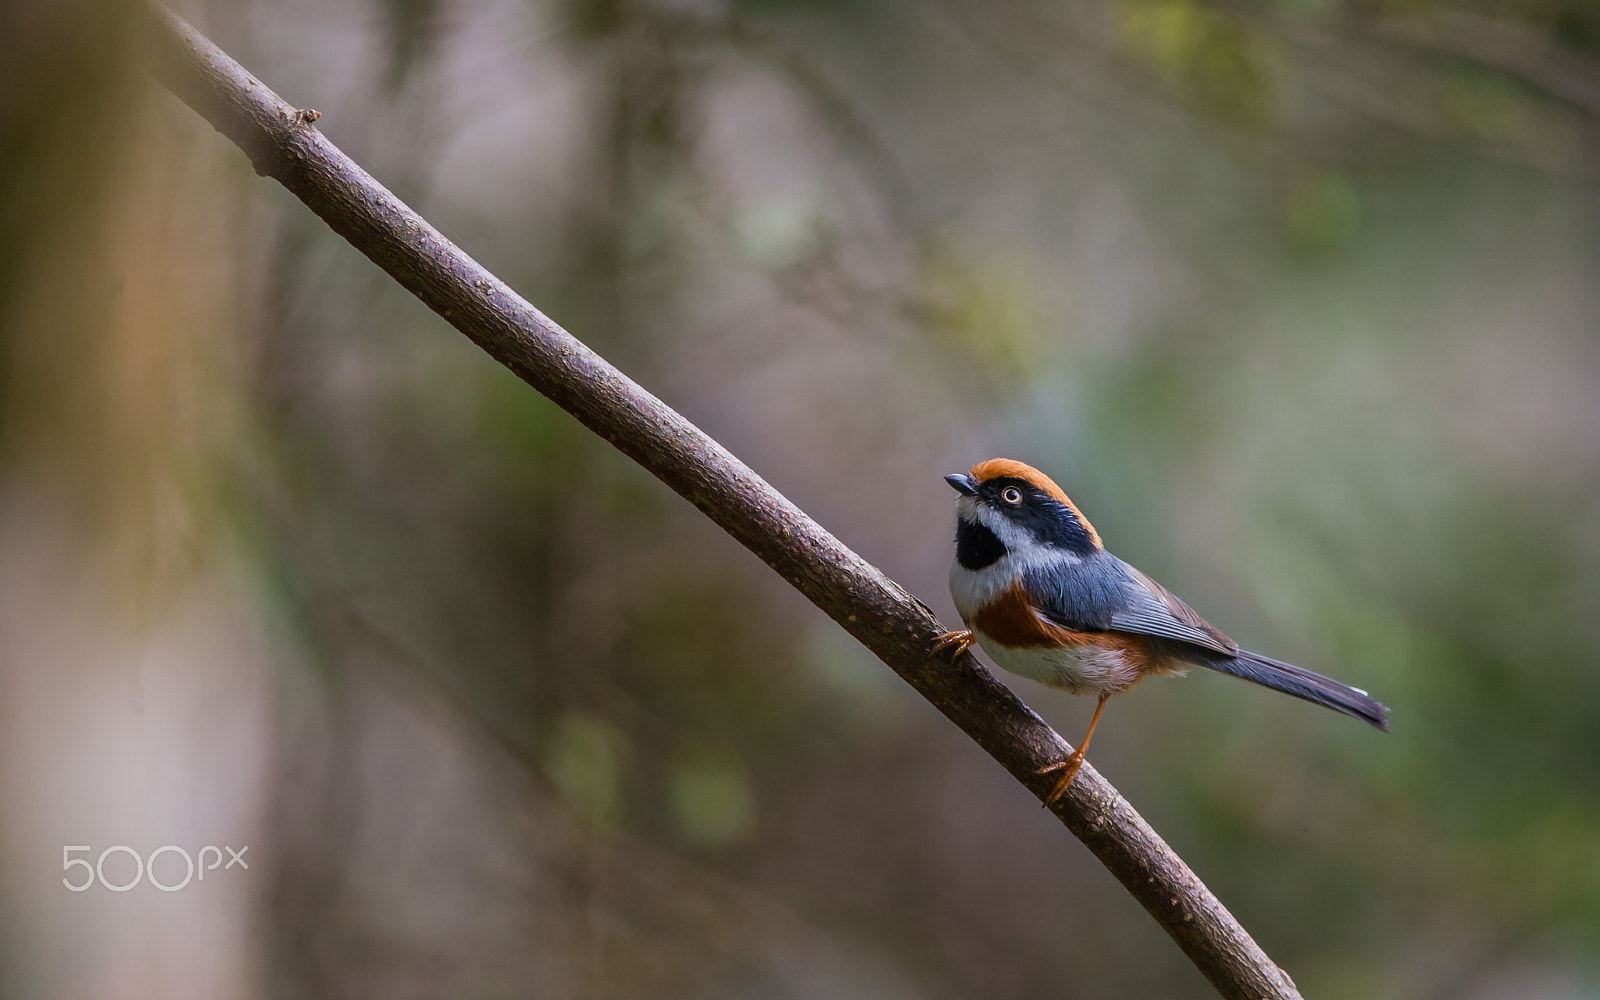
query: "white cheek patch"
1010, 535
972, 589
1017, 539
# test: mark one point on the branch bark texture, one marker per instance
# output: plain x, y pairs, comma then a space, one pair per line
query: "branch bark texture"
283, 144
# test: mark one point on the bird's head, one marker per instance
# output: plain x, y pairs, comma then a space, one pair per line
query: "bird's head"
1009, 506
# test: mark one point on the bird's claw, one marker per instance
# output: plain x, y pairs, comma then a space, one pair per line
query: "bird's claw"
960, 640
1070, 766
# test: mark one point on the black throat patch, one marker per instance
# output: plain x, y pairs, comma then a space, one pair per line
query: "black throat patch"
976, 546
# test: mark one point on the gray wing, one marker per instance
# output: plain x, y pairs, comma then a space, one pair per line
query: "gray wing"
1154, 610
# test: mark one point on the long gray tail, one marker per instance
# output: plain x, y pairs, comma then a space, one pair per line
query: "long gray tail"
1302, 683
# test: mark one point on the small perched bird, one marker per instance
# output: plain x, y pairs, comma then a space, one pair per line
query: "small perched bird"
1042, 596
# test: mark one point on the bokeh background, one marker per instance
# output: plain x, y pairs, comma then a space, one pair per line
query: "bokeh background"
1300, 299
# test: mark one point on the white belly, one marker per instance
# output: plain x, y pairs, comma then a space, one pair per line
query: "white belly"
1080, 669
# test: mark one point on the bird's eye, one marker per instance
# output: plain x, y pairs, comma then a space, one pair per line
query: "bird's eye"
1011, 495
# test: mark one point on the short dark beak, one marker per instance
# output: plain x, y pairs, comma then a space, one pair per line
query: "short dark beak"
962, 484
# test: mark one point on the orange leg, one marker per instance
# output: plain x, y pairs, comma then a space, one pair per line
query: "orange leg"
960, 640
1072, 763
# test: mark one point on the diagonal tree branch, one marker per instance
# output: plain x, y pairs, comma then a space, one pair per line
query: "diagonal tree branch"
282, 144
